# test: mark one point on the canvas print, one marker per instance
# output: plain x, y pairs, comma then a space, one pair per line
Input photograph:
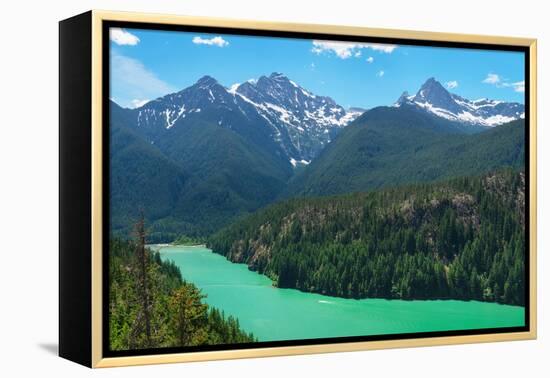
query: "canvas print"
268, 189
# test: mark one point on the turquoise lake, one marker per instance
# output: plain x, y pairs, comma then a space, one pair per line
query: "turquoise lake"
284, 314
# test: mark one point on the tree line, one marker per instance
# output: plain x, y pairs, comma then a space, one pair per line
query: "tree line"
461, 239
151, 306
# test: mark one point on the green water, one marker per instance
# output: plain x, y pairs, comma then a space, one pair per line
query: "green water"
284, 314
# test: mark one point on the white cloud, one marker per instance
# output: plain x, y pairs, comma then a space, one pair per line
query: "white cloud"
132, 81
122, 37
136, 103
341, 49
491, 79
370, 59
451, 84
388, 49
499, 82
346, 50
519, 86
214, 41
380, 73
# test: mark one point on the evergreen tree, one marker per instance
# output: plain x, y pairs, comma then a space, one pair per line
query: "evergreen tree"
142, 259
462, 239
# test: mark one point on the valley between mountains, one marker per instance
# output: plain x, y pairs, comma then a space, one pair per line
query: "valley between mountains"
421, 199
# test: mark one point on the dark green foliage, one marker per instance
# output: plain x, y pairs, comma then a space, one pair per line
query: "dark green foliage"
226, 330
192, 179
177, 315
197, 176
386, 147
229, 176
461, 239
135, 166
187, 240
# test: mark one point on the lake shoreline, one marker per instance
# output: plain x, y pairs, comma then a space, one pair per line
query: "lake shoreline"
168, 245
273, 313
274, 285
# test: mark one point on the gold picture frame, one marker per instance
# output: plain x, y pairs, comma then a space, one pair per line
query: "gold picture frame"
90, 327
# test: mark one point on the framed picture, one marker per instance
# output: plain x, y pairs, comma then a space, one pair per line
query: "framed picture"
235, 189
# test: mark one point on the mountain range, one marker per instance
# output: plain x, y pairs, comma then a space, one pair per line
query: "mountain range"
435, 99
390, 146
270, 110
197, 159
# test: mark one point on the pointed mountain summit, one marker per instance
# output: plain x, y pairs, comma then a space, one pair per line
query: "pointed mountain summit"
310, 122
433, 93
277, 75
270, 111
206, 81
435, 99
404, 98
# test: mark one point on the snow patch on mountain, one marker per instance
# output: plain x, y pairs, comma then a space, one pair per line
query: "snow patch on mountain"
294, 111
434, 98
233, 89
300, 122
170, 122
295, 162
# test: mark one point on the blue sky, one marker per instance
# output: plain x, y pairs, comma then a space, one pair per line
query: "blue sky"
147, 64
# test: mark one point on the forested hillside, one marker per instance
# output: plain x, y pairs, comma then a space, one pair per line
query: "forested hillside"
462, 239
196, 177
150, 306
193, 182
135, 166
389, 146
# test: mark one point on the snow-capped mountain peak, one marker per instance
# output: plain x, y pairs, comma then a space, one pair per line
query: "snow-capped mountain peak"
405, 97
434, 98
433, 93
300, 122
309, 121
